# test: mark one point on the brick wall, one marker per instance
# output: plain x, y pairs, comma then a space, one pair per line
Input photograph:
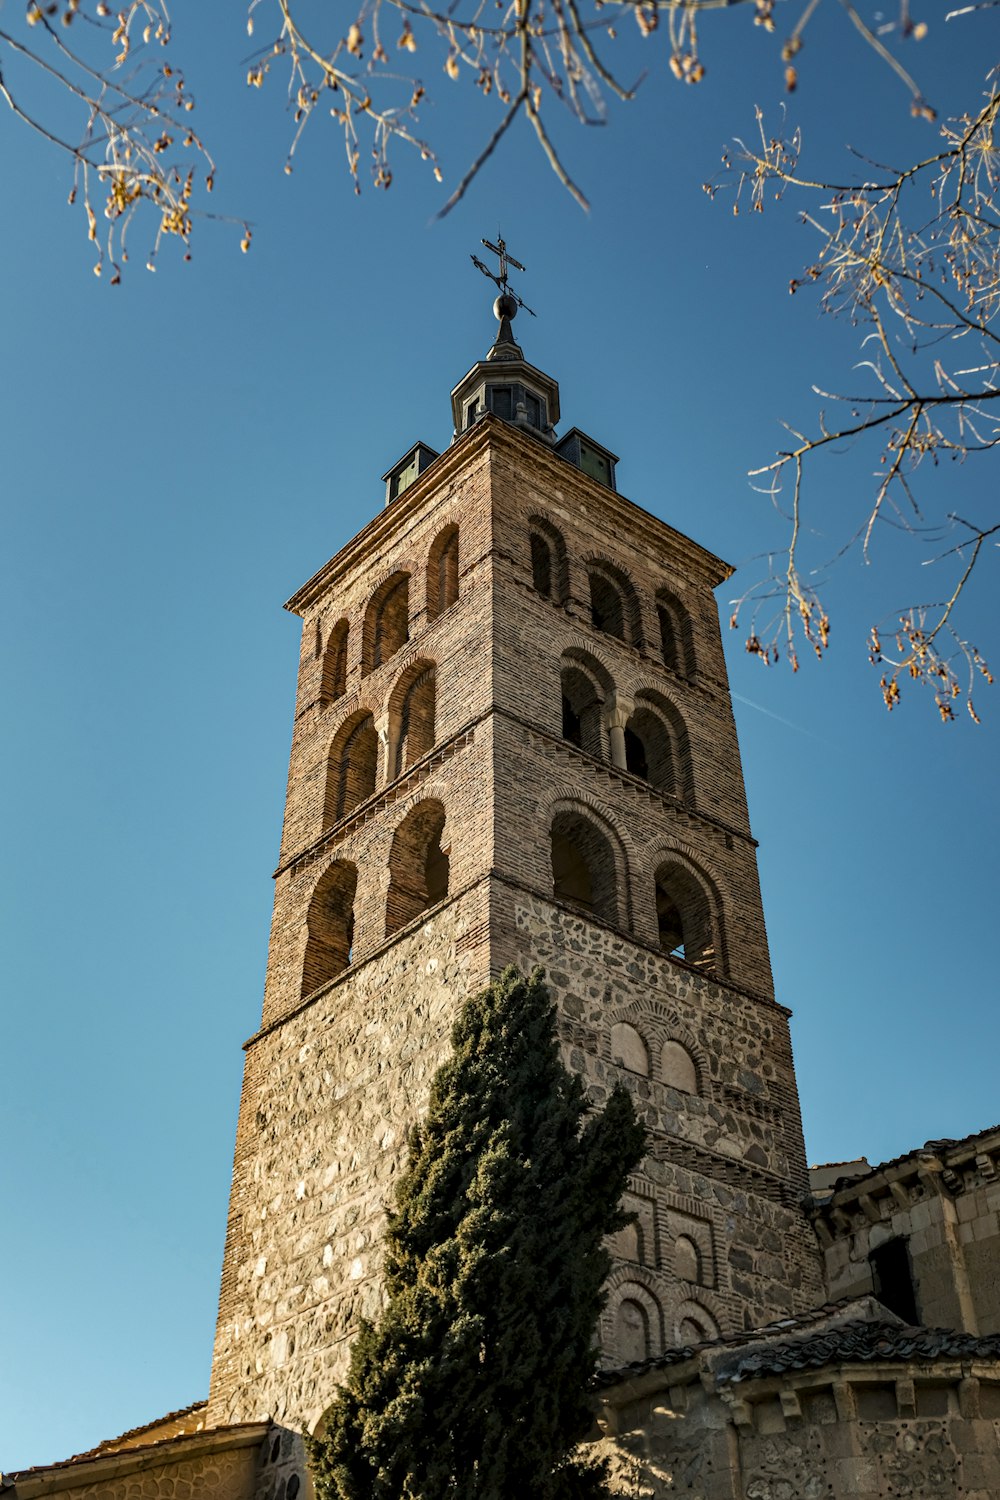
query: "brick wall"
430, 744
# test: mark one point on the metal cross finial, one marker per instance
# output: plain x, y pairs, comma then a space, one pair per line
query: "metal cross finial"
506, 294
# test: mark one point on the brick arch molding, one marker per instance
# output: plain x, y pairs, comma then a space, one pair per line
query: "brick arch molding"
706, 1302
655, 1021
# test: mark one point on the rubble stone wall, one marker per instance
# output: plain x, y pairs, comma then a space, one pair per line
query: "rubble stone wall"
329, 1096
726, 1165
905, 1430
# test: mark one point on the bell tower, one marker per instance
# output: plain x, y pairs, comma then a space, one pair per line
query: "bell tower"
513, 743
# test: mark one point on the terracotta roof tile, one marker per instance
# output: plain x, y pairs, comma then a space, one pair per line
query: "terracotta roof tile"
788, 1344
863, 1342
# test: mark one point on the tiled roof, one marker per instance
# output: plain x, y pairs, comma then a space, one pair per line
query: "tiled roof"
798, 1323
944, 1147
111, 1450
854, 1330
110, 1445
862, 1342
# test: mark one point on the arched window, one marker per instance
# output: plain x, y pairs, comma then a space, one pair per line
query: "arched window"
411, 716
607, 609
418, 866
351, 768
581, 709
648, 751
614, 605
549, 572
334, 680
676, 636
541, 566
631, 1332
330, 926
687, 1259
657, 746
442, 573
684, 916
387, 621
677, 1068
583, 866
629, 1049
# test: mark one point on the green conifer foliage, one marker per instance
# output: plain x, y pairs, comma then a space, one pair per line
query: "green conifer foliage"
472, 1386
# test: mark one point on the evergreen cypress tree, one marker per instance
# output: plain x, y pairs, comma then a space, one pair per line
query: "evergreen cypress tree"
472, 1386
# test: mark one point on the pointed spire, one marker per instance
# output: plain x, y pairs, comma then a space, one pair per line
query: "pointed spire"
503, 384
505, 345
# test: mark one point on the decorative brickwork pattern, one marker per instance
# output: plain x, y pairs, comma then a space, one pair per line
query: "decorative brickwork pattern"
513, 742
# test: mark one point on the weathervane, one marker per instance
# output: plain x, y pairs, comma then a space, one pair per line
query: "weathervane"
508, 302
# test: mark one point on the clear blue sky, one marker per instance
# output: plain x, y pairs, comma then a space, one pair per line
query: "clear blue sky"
181, 452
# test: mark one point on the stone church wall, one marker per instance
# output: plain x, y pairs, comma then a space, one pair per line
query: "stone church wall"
939, 1207
906, 1431
329, 1096
725, 1170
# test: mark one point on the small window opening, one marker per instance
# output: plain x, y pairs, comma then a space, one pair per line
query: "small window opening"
684, 917
442, 573
670, 925
541, 566
606, 610
418, 864
581, 711
334, 679
668, 640
635, 755
572, 728
892, 1277
437, 869
570, 873
534, 409
583, 865
352, 773
501, 401
330, 926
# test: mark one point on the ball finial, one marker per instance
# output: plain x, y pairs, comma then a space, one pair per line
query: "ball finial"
505, 306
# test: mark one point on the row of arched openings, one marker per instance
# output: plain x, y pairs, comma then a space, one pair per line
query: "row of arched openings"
675, 1065
684, 1259
419, 870
615, 607
655, 744
636, 1336
385, 625
353, 758
587, 875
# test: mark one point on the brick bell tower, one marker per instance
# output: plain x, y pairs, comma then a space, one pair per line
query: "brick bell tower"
513, 742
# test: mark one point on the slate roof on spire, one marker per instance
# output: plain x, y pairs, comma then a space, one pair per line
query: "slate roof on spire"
505, 346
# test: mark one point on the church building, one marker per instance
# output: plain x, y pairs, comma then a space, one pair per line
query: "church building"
514, 743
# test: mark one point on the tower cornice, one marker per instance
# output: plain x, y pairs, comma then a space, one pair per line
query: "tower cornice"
492, 431
387, 522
